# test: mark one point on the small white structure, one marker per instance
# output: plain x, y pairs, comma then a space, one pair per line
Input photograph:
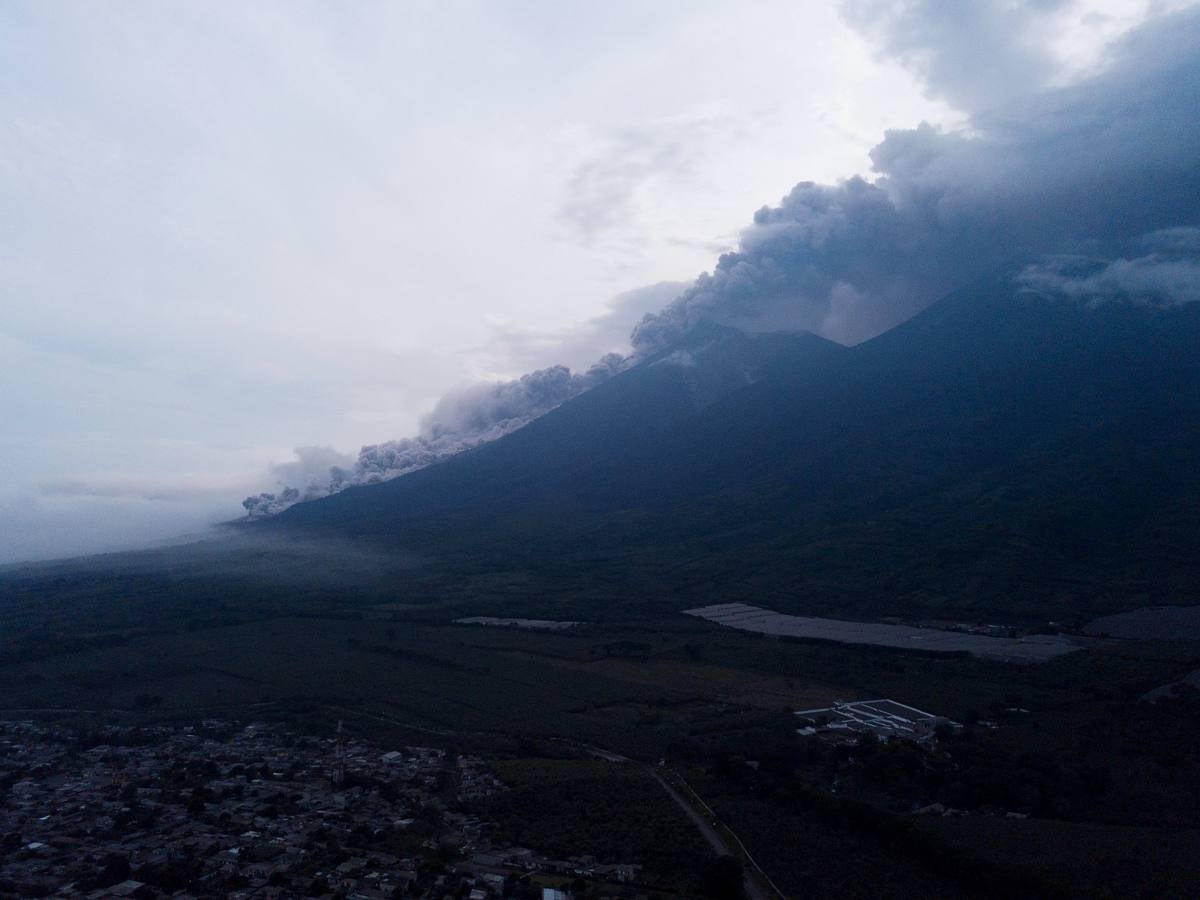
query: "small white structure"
882, 718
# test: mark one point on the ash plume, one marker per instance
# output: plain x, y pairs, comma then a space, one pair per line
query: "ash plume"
475, 415
1054, 174
460, 421
1075, 170
312, 474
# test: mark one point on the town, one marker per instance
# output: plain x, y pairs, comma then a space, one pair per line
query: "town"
254, 810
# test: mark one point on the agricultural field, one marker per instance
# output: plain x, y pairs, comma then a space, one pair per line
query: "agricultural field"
1031, 648
1164, 623
1067, 737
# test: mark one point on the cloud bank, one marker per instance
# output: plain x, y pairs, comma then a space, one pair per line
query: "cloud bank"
1167, 276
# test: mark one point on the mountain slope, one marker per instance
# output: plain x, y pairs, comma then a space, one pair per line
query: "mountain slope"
597, 451
999, 451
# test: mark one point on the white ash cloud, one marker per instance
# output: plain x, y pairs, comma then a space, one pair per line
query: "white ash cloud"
461, 420
580, 344
475, 415
1064, 170
311, 475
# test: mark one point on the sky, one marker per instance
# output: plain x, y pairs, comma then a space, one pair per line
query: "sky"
234, 230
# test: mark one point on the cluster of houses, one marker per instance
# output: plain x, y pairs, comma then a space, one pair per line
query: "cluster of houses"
228, 810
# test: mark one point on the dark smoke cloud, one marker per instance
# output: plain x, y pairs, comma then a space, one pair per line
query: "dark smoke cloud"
1059, 183
1075, 170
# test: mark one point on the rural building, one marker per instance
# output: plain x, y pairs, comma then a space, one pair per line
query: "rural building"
883, 718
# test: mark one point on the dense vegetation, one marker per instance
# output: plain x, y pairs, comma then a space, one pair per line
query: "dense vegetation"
616, 813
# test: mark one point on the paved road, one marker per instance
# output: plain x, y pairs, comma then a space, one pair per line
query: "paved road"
716, 840
719, 837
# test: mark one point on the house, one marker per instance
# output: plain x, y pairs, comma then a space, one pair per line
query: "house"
124, 889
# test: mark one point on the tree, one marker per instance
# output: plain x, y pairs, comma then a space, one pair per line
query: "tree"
723, 879
868, 745
196, 803
114, 870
